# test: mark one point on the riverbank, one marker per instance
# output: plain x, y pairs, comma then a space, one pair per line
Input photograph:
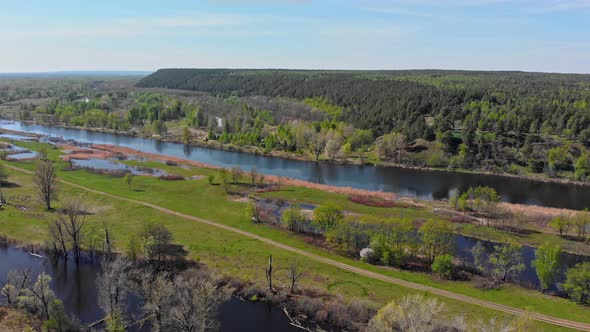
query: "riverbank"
231, 252
538, 232
212, 144
250, 307
17, 320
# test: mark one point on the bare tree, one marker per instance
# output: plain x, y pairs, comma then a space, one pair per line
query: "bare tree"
197, 302
108, 242
296, 271
223, 176
112, 287
158, 291
269, 271
58, 239
235, 174
94, 240
253, 175
46, 181
72, 221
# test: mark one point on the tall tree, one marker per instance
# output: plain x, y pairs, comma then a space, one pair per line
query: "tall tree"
158, 291
437, 238
72, 220
326, 216
295, 271
546, 263
507, 260
46, 181
112, 285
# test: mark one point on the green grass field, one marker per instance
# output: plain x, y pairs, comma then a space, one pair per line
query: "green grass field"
233, 254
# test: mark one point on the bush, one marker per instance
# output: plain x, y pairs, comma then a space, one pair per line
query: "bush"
443, 265
577, 283
362, 310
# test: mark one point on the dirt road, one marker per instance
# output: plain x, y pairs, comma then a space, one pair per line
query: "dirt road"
419, 287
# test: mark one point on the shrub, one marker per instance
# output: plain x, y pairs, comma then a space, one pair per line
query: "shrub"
443, 265
577, 283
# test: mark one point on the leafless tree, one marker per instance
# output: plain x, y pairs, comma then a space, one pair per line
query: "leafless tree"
261, 179
295, 271
94, 240
269, 272
235, 174
108, 242
46, 181
58, 239
158, 291
72, 221
253, 175
198, 298
112, 286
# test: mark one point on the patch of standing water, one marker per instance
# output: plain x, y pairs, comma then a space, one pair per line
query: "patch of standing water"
423, 184
23, 155
16, 152
109, 165
76, 286
17, 137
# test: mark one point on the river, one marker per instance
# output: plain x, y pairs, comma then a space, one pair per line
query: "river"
75, 286
422, 184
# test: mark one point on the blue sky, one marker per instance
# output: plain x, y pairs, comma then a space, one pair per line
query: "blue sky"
532, 35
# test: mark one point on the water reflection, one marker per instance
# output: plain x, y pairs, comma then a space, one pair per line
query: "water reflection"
75, 285
423, 184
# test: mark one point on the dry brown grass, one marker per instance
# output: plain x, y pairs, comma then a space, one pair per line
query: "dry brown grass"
13, 320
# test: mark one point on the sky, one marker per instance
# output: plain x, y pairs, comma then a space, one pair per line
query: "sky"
529, 35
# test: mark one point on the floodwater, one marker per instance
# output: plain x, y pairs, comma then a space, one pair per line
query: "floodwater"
75, 285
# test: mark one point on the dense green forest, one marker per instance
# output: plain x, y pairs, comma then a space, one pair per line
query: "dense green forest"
490, 120
530, 124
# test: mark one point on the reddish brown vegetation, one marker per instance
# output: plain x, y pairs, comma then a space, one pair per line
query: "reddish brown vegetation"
84, 153
376, 201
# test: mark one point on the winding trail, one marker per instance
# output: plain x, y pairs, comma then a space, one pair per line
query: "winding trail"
419, 287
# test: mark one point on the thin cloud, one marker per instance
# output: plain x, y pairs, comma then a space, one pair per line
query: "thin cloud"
225, 24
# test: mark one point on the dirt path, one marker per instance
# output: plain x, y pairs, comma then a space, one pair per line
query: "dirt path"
419, 287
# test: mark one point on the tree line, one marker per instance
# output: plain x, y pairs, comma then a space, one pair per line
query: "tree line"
490, 120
